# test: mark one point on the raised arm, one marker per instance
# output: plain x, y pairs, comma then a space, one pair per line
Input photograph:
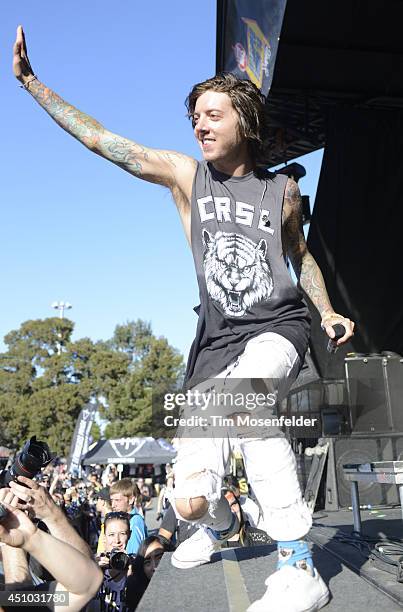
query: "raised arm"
15, 563
169, 168
73, 571
307, 270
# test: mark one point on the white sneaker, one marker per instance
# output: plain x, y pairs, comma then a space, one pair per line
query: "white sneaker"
199, 548
291, 589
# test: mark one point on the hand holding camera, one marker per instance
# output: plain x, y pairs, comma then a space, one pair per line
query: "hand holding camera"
115, 559
33, 496
28, 494
16, 529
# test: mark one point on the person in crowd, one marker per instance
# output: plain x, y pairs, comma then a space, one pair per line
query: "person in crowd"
111, 475
94, 481
236, 538
166, 492
145, 496
248, 534
58, 480
67, 498
250, 508
146, 562
158, 479
45, 480
74, 572
174, 530
111, 595
58, 498
162, 504
75, 508
241, 221
125, 496
140, 482
103, 501
103, 506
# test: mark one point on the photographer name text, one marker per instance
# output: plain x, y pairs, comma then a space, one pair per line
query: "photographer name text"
238, 420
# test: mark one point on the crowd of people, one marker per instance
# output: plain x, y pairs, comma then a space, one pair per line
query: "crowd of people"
84, 536
88, 536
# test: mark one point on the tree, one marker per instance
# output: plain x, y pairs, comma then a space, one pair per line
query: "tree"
132, 338
134, 403
46, 379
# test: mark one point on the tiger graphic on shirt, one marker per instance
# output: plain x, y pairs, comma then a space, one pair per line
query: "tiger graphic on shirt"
236, 271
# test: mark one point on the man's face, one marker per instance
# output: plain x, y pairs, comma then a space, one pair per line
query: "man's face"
216, 128
121, 503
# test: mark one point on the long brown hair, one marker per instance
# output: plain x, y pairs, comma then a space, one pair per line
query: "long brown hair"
248, 102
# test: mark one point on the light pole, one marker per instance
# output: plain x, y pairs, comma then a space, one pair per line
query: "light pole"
61, 307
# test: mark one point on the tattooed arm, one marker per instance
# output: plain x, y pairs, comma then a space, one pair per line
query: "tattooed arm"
173, 170
305, 267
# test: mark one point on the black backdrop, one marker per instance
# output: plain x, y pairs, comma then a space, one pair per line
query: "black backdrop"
356, 233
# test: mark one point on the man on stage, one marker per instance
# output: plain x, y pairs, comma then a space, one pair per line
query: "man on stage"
240, 221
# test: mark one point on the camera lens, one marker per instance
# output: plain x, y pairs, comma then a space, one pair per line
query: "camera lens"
118, 560
29, 461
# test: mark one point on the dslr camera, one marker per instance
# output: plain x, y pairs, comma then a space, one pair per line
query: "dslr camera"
119, 560
33, 456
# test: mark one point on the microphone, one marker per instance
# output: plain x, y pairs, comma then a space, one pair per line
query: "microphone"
339, 330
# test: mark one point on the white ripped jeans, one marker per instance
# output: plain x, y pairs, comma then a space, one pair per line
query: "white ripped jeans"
269, 461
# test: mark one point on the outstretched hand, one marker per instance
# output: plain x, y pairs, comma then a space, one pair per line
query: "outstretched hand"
21, 64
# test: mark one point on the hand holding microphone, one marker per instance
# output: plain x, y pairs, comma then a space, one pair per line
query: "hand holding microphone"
342, 328
339, 331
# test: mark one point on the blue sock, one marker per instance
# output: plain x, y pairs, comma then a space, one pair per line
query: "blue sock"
294, 552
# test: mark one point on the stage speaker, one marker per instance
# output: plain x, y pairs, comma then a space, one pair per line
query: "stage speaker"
360, 450
375, 393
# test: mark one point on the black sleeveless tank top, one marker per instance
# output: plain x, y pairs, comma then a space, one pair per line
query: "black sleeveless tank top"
244, 284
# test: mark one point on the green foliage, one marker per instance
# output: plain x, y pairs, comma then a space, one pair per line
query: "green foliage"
95, 432
133, 402
132, 338
46, 379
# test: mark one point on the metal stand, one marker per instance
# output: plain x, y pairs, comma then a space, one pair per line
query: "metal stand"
382, 472
355, 502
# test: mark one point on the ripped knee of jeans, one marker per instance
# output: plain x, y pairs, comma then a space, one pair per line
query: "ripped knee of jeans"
202, 484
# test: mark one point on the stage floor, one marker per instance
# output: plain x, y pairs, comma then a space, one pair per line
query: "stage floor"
235, 577
378, 524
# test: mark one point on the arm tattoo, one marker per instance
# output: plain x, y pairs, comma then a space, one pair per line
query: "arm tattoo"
306, 269
78, 124
123, 152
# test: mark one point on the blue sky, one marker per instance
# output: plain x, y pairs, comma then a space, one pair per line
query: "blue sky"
73, 226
